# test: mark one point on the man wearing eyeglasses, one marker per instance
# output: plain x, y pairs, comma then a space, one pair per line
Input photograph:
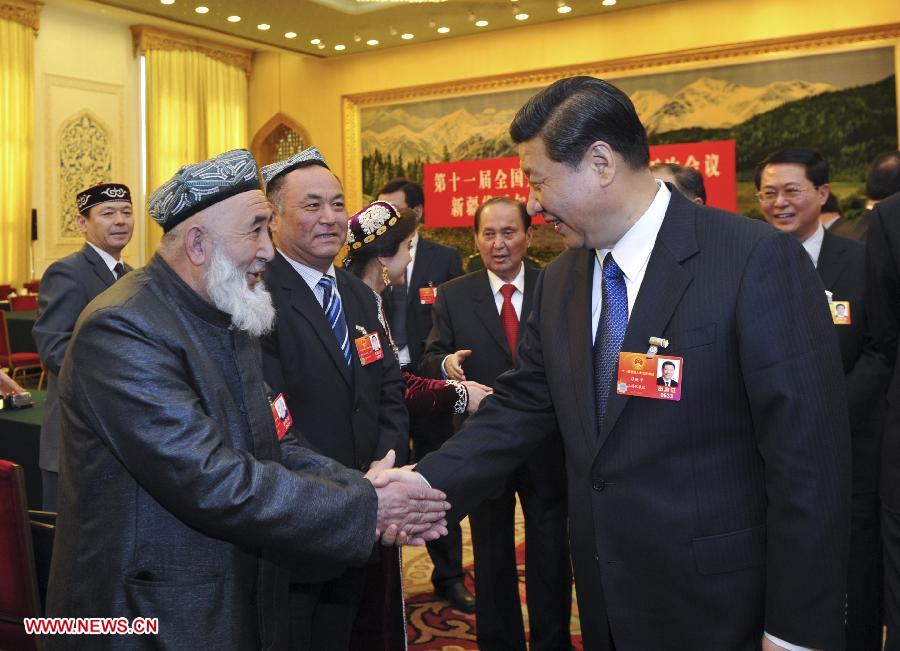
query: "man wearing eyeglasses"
793, 187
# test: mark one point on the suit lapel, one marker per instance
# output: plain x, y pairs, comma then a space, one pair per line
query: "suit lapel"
831, 260
304, 302
577, 326
664, 283
98, 265
531, 276
354, 316
485, 309
420, 271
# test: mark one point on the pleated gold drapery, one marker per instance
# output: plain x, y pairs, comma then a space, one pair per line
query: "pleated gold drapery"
196, 106
18, 28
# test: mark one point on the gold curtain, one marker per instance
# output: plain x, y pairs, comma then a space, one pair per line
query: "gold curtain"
16, 142
196, 108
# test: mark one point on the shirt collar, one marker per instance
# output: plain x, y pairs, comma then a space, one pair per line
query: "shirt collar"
413, 243
108, 260
813, 244
310, 276
632, 251
496, 282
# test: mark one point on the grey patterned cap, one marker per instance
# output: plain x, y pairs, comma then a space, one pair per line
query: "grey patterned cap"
273, 171
200, 185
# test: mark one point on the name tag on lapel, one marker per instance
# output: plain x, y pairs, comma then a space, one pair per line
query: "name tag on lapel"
659, 378
840, 312
427, 295
282, 416
369, 348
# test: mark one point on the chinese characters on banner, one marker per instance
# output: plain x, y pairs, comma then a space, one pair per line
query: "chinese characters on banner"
453, 191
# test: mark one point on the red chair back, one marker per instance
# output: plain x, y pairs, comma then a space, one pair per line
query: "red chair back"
5, 290
24, 302
5, 349
19, 595
32, 286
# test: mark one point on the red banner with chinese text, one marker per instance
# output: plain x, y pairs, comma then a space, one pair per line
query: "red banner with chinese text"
453, 191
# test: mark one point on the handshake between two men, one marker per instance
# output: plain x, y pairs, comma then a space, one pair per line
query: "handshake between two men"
410, 512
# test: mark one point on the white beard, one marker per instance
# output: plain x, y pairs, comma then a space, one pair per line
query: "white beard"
251, 310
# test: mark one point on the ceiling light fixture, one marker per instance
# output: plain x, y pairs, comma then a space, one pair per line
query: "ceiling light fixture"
372, 41
290, 34
407, 36
608, 3
321, 46
234, 19
263, 27
443, 30
201, 9
357, 38
481, 23
562, 7
167, 2
315, 41
521, 15
340, 47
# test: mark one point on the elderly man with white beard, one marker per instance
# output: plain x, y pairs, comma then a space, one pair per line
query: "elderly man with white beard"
177, 501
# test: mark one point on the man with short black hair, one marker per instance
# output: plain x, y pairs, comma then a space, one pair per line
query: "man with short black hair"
483, 313
715, 521
882, 181
793, 188
106, 218
686, 180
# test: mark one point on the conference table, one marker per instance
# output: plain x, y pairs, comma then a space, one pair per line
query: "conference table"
20, 434
19, 325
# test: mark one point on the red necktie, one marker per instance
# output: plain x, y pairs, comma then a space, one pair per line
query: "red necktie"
509, 319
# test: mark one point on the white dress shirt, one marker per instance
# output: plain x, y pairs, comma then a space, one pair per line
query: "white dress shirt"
518, 296
108, 260
813, 244
312, 277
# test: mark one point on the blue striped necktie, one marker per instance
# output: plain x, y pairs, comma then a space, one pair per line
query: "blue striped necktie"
334, 312
610, 334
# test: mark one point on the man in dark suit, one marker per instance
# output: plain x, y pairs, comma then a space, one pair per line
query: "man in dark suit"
882, 180
409, 309
483, 313
346, 409
177, 500
718, 521
793, 188
883, 303
106, 219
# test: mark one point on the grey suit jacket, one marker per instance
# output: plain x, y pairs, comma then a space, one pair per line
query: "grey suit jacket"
67, 286
176, 500
698, 523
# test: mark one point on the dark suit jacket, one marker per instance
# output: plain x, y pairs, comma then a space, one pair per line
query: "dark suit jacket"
353, 414
176, 500
883, 303
466, 317
698, 523
854, 230
67, 286
661, 382
435, 264
842, 268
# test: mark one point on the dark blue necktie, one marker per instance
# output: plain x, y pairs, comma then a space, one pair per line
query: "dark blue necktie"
331, 303
610, 334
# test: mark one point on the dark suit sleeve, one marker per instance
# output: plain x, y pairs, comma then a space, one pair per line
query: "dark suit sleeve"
498, 438
175, 451
882, 289
440, 342
794, 381
60, 302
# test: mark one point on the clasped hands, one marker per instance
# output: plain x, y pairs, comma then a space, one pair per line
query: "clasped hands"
409, 511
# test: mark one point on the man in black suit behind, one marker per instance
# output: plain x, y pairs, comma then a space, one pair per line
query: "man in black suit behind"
883, 302
348, 411
793, 188
106, 219
482, 313
718, 521
409, 311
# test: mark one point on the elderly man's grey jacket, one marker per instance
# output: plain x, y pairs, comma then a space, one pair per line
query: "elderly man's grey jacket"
175, 500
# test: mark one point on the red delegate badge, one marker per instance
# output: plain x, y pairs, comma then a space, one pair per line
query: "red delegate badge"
840, 312
369, 348
282, 416
427, 295
658, 377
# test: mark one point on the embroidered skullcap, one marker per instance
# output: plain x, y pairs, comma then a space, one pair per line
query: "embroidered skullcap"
101, 193
370, 223
273, 171
201, 185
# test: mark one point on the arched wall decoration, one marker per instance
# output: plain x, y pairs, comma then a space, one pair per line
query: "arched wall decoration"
278, 139
85, 159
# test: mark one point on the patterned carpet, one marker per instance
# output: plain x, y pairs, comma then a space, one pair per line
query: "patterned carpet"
431, 624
